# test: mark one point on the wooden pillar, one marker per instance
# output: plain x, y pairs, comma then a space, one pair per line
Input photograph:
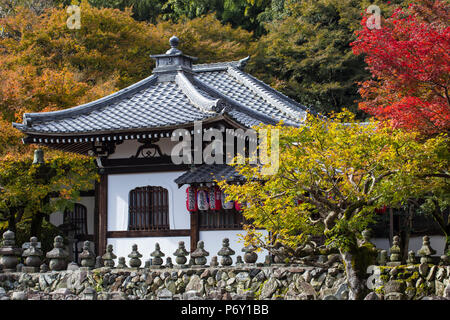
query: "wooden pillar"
195, 234
96, 237
102, 214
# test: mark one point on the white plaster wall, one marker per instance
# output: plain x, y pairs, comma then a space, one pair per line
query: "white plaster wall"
415, 243
213, 243
57, 218
168, 245
119, 186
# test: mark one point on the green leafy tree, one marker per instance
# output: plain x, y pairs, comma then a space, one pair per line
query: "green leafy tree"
143, 10
239, 13
26, 188
307, 55
333, 174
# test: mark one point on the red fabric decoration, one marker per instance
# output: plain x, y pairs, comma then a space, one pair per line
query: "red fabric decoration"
215, 202
381, 210
191, 199
202, 200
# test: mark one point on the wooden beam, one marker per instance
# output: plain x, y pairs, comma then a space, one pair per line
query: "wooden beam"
148, 233
146, 168
195, 231
96, 215
102, 214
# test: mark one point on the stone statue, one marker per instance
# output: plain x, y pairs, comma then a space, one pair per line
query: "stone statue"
226, 252
58, 255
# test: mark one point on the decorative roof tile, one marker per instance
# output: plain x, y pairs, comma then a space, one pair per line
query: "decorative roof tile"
174, 95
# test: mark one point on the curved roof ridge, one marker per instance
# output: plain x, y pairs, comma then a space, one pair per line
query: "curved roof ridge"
203, 103
237, 105
216, 66
90, 106
274, 97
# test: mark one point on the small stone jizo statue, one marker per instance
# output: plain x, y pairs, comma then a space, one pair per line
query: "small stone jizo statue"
87, 257
121, 263
9, 252
135, 261
250, 255
395, 258
426, 251
199, 255
32, 256
157, 257
58, 255
226, 252
108, 257
181, 254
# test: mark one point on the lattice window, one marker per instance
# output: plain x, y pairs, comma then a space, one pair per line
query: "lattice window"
78, 218
221, 219
148, 208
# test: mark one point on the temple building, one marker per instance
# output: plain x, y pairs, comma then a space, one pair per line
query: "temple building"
143, 197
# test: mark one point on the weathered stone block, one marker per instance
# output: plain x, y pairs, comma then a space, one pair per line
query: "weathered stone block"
269, 288
372, 296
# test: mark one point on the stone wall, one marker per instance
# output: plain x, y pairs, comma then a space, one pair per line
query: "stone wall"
223, 283
26, 276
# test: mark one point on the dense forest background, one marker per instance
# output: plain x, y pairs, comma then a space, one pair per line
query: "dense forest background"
300, 47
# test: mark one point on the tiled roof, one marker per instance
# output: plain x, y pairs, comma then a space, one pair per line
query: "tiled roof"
209, 173
175, 94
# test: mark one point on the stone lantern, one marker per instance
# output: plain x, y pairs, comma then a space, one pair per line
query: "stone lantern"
199, 255
87, 256
121, 264
9, 252
250, 255
395, 258
226, 252
135, 261
108, 257
58, 255
32, 257
157, 255
426, 251
180, 255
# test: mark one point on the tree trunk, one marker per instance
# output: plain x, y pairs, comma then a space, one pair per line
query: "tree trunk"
355, 279
447, 237
36, 225
12, 222
447, 245
406, 233
445, 226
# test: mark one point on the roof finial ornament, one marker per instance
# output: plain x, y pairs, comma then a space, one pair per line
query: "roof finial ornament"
174, 41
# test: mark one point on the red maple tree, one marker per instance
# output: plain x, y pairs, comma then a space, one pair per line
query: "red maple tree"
408, 58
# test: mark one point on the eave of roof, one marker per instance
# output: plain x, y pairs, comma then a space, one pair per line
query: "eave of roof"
208, 173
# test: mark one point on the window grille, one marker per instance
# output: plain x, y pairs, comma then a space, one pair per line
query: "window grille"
148, 208
78, 218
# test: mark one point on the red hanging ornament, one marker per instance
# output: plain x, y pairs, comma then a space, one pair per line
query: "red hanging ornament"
191, 199
381, 210
215, 202
202, 200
